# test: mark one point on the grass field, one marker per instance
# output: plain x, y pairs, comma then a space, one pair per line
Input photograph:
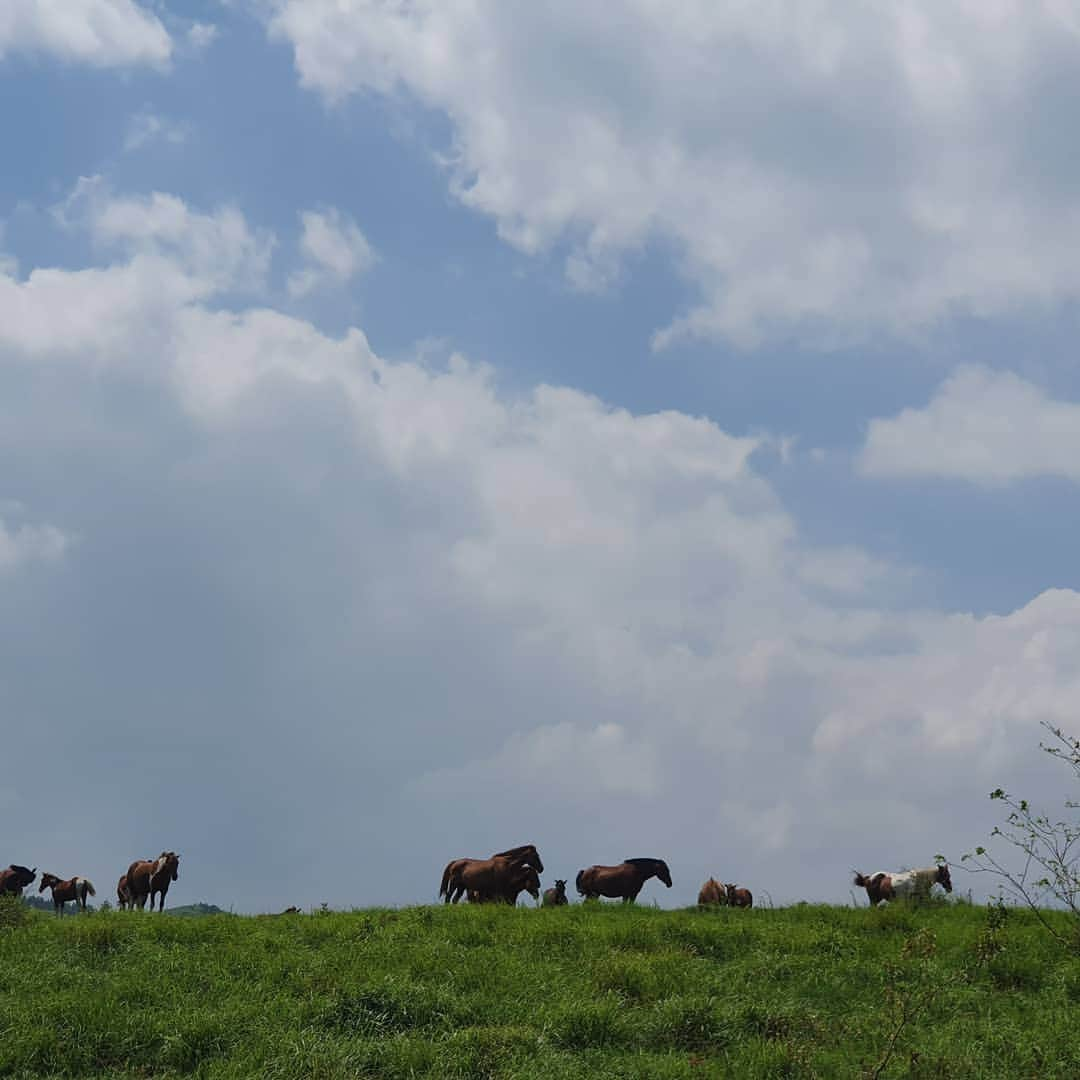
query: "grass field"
585, 991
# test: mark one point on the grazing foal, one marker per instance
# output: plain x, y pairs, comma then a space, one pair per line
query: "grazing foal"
712, 892
76, 888
908, 885
556, 897
739, 897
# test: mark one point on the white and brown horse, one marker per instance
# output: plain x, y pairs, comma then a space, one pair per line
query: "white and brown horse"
147, 879
76, 888
623, 881
904, 885
16, 878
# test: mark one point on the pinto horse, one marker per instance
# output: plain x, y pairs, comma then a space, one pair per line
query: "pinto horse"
525, 855
910, 884
624, 880
76, 888
148, 879
737, 897
16, 878
712, 892
556, 897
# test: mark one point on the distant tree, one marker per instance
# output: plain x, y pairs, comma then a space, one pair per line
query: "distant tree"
1050, 869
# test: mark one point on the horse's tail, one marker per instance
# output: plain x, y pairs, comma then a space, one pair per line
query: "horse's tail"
89, 886
577, 882
861, 880
445, 883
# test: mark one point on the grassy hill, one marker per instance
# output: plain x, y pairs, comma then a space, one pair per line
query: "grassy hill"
585, 991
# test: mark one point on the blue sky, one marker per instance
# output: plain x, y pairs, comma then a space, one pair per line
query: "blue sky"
408, 410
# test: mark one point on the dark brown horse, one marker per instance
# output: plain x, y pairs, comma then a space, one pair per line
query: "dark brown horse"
123, 897
525, 855
556, 897
486, 880
712, 892
16, 878
624, 880
909, 885
518, 879
737, 897
76, 888
146, 879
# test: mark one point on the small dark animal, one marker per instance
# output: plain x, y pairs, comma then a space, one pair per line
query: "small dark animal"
76, 888
737, 897
146, 879
16, 878
624, 880
291, 911
556, 897
712, 892
910, 884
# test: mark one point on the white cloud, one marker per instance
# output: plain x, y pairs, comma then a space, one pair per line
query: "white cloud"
982, 426
146, 126
334, 250
381, 588
202, 35
826, 170
30, 543
103, 33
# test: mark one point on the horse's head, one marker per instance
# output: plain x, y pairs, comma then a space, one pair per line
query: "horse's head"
171, 863
663, 873
47, 881
560, 886
23, 875
942, 877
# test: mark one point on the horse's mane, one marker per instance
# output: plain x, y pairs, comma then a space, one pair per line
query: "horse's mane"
20, 869
645, 862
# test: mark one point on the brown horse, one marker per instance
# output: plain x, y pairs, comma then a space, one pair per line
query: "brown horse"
525, 855
911, 884
16, 878
146, 879
485, 880
556, 897
624, 880
123, 897
712, 892
737, 897
76, 888
518, 879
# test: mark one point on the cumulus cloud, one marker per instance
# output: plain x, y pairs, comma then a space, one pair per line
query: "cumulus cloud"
987, 427
324, 602
102, 33
819, 169
334, 250
30, 543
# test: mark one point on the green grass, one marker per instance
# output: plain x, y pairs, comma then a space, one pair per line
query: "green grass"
585, 991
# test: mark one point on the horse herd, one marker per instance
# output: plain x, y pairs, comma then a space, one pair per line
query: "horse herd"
145, 879
502, 878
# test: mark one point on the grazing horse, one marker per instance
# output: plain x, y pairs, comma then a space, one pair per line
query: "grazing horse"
737, 897
147, 879
624, 880
525, 855
712, 892
556, 897
910, 884
76, 888
16, 878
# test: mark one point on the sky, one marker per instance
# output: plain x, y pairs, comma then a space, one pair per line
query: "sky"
431, 426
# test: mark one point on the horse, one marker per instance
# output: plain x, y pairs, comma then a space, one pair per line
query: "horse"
712, 892
147, 879
737, 897
624, 880
518, 879
556, 897
16, 878
123, 897
485, 879
76, 888
909, 884
525, 855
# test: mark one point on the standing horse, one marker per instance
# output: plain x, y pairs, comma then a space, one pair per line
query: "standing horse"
712, 892
556, 897
123, 896
906, 885
16, 878
737, 897
146, 879
485, 879
76, 888
525, 855
624, 880
518, 879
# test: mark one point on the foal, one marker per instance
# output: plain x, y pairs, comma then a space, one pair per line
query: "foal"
712, 892
556, 897
76, 888
739, 897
